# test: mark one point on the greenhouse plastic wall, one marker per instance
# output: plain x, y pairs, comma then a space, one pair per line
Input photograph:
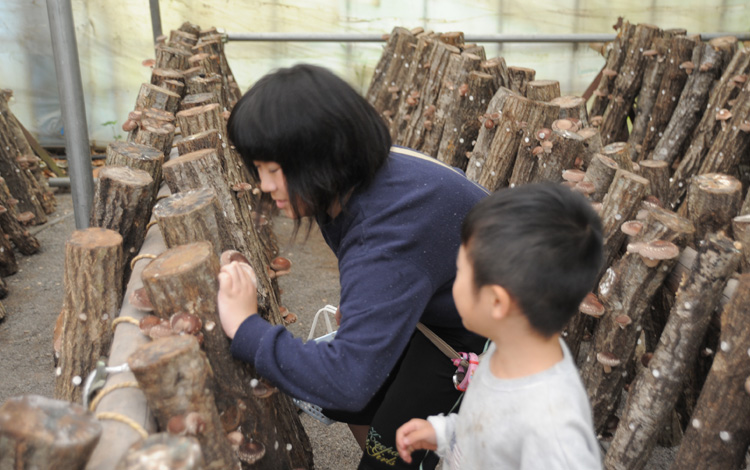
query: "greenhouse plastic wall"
114, 38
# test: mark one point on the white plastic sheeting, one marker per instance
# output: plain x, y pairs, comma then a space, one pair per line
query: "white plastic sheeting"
115, 37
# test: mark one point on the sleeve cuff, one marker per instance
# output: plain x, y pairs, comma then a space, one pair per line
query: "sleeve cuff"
247, 338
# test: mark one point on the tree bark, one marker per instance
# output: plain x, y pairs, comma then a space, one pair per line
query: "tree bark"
487, 130
45, 434
601, 171
92, 281
657, 172
713, 200
615, 59
550, 160
183, 39
156, 134
572, 107
8, 263
621, 203
674, 77
719, 433
543, 90
177, 380
185, 279
519, 78
627, 84
724, 91
391, 71
652, 78
461, 126
621, 153
171, 57
691, 105
159, 76
627, 289
519, 119
138, 157
210, 83
207, 63
499, 71
163, 451
741, 231
193, 216
656, 389
152, 96
199, 100
200, 141
592, 143
6, 199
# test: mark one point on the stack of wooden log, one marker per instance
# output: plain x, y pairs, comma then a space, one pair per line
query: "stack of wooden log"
662, 154
25, 196
181, 401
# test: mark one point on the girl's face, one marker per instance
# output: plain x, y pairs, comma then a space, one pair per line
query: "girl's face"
273, 182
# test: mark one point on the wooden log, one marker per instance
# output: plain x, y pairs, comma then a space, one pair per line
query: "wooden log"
741, 232
191, 28
520, 118
724, 91
3, 312
499, 71
519, 78
171, 57
152, 96
159, 76
175, 376
657, 172
461, 127
620, 152
657, 387
674, 77
164, 450
691, 105
627, 84
615, 59
6, 199
453, 38
207, 63
182, 39
718, 434
600, 172
200, 141
621, 203
138, 157
174, 86
572, 107
194, 268
713, 200
733, 140
22, 183
123, 198
92, 281
626, 290
727, 47
192, 216
45, 434
209, 83
195, 101
546, 156
647, 96
203, 169
8, 263
592, 143
543, 90
199, 119
444, 122
156, 134
487, 131
391, 71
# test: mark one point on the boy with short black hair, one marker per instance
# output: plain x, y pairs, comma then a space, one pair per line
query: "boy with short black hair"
528, 257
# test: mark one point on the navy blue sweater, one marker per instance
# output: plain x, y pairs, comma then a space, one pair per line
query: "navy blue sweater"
396, 244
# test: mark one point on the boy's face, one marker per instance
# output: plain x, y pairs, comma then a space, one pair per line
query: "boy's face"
473, 305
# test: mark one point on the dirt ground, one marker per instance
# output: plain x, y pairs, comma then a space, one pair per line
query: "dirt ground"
35, 300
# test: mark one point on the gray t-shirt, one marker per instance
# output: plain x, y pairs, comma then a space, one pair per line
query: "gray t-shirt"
542, 421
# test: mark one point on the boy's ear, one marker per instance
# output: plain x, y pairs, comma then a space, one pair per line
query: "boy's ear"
502, 302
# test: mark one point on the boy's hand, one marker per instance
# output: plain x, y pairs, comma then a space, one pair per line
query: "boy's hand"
415, 435
238, 297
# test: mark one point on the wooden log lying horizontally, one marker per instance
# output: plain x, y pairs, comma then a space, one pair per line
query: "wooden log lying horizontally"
175, 376
194, 268
45, 434
719, 430
164, 450
92, 281
658, 386
626, 290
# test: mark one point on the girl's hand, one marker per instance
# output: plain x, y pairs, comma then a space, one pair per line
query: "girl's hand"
238, 297
415, 435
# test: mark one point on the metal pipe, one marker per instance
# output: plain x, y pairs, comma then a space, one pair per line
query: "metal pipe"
68, 72
499, 38
155, 19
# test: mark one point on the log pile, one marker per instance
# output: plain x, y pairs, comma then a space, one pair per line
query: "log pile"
672, 193
210, 411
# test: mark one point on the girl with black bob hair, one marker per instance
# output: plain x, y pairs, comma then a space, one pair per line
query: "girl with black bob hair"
327, 138
392, 217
